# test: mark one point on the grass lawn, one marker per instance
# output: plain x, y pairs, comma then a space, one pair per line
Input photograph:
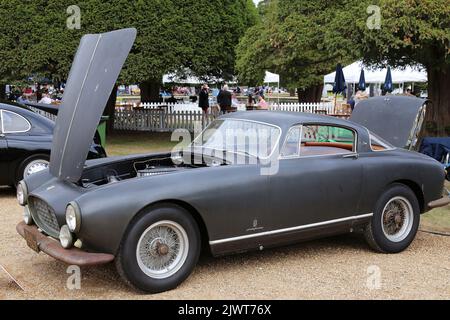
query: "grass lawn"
438, 219
119, 144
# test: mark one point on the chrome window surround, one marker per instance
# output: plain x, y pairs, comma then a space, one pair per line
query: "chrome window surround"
244, 120
355, 144
16, 114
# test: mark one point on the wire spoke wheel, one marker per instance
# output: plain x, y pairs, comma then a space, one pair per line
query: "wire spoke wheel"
35, 167
162, 249
397, 219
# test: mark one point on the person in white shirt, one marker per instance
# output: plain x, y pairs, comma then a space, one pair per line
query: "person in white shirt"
46, 99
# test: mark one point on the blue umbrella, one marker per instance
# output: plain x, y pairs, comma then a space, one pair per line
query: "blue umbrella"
388, 85
362, 81
339, 85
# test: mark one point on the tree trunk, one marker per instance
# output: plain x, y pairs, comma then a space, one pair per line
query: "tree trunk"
150, 90
292, 92
2, 91
110, 109
311, 94
438, 112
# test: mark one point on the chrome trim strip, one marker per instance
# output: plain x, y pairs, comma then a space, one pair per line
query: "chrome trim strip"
267, 233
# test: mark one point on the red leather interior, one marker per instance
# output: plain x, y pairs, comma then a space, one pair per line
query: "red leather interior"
345, 146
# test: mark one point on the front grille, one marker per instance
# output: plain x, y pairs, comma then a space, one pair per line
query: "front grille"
44, 216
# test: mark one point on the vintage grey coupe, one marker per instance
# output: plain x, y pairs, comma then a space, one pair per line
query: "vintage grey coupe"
252, 180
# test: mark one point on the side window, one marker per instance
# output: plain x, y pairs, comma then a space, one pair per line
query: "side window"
326, 140
291, 147
14, 123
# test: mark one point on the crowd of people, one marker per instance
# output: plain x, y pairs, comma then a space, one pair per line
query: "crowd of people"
44, 95
227, 99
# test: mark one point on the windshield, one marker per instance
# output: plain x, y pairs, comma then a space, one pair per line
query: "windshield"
240, 136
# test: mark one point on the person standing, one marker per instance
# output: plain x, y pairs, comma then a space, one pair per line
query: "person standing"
262, 104
23, 99
203, 98
203, 102
224, 99
46, 99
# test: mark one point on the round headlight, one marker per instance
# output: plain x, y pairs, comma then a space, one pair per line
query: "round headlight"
73, 217
22, 193
65, 237
27, 218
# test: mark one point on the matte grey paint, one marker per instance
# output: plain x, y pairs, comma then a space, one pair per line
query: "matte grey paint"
233, 200
97, 65
390, 117
229, 198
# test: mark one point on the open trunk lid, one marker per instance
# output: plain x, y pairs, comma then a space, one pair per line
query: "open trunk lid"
396, 119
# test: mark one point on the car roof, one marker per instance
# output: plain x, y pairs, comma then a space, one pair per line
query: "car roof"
285, 119
8, 105
28, 113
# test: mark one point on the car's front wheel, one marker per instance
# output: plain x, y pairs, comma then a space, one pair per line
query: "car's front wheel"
395, 221
160, 249
32, 165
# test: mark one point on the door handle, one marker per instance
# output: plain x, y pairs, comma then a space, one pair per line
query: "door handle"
2, 135
351, 156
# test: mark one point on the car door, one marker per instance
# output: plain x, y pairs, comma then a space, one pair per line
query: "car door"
319, 177
16, 129
3, 155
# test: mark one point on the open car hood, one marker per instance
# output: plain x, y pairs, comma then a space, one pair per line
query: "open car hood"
96, 67
396, 119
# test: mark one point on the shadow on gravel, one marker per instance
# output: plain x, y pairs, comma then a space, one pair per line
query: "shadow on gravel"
7, 191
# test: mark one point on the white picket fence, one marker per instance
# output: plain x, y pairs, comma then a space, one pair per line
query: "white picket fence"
160, 117
324, 108
160, 121
327, 108
44, 113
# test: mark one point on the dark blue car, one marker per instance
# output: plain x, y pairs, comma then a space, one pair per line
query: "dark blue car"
25, 143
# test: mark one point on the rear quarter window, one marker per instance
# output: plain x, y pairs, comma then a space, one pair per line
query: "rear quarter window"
13, 122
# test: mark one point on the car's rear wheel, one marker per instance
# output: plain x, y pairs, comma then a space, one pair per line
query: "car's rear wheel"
32, 165
160, 249
395, 221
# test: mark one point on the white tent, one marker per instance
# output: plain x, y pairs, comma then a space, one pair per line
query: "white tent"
169, 78
353, 71
272, 78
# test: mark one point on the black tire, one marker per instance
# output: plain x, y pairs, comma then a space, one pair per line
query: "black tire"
374, 233
24, 164
127, 261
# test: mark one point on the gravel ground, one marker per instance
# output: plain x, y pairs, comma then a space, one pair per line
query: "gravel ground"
335, 268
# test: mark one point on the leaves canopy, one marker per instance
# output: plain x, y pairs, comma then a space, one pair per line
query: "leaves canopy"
303, 40
290, 40
195, 35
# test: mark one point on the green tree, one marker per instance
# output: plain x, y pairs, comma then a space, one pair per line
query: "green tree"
411, 32
290, 40
198, 37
